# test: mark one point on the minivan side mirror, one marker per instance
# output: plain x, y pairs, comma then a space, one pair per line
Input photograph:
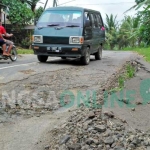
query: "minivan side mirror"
87, 23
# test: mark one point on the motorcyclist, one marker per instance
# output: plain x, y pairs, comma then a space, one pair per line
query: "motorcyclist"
3, 31
3, 44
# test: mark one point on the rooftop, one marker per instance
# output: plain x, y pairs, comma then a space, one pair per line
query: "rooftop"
69, 8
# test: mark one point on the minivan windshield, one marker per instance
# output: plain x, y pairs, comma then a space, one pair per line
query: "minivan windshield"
68, 18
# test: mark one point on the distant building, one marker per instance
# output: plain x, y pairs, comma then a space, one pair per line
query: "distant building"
3, 14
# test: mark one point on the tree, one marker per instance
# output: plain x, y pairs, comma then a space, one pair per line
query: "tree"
144, 16
139, 4
31, 3
111, 22
129, 31
38, 12
111, 30
19, 14
145, 25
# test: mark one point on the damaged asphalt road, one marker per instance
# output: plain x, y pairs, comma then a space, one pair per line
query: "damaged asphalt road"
40, 85
27, 65
19, 119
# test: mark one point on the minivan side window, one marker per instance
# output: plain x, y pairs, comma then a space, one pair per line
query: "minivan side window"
86, 14
88, 17
93, 21
100, 23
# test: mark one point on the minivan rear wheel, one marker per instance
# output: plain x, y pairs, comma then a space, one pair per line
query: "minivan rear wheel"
98, 54
85, 60
42, 58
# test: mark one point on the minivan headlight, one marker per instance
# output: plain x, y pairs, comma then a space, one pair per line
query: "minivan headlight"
37, 39
76, 40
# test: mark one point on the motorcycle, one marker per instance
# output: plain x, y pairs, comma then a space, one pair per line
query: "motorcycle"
12, 57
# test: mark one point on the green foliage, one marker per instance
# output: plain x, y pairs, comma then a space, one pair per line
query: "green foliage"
121, 81
38, 12
111, 23
130, 71
123, 35
141, 3
111, 31
129, 32
19, 14
31, 3
25, 51
145, 52
116, 89
145, 27
132, 31
143, 31
26, 42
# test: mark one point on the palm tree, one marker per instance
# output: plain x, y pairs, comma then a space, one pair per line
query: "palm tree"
111, 26
129, 32
111, 22
139, 4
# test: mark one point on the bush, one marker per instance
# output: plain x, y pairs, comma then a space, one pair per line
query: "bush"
26, 42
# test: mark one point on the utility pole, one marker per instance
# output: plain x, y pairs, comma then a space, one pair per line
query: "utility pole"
54, 3
45, 4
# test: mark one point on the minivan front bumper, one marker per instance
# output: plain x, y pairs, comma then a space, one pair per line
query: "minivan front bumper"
58, 50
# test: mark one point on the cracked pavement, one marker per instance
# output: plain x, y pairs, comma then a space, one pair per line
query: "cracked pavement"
57, 75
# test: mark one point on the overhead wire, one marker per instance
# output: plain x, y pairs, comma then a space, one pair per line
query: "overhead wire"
66, 2
109, 3
116, 3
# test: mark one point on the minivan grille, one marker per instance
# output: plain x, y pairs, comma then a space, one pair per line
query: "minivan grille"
55, 40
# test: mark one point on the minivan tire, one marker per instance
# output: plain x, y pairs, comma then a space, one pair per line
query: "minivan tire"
42, 58
98, 54
85, 60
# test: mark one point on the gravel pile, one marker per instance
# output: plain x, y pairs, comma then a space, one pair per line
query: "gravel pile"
87, 130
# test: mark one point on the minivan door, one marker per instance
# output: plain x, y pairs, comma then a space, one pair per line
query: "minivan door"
87, 32
95, 31
100, 31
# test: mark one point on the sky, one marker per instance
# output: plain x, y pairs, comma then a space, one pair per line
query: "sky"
115, 7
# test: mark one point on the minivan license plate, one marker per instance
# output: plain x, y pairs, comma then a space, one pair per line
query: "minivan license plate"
54, 48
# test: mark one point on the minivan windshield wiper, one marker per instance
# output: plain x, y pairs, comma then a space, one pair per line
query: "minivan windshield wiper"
41, 27
72, 26
53, 25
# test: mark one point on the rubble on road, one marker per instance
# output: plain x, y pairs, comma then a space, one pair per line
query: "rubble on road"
84, 133
89, 129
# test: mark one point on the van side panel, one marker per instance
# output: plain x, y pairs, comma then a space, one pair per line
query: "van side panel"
94, 34
87, 31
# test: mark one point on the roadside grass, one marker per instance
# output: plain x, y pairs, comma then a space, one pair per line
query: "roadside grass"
145, 52
24, 51
128, 74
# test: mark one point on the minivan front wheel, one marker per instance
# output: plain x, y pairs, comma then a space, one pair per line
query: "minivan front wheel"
85, 60
42, 58
98, 54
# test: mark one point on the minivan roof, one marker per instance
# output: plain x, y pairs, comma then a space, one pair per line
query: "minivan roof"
71, 8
